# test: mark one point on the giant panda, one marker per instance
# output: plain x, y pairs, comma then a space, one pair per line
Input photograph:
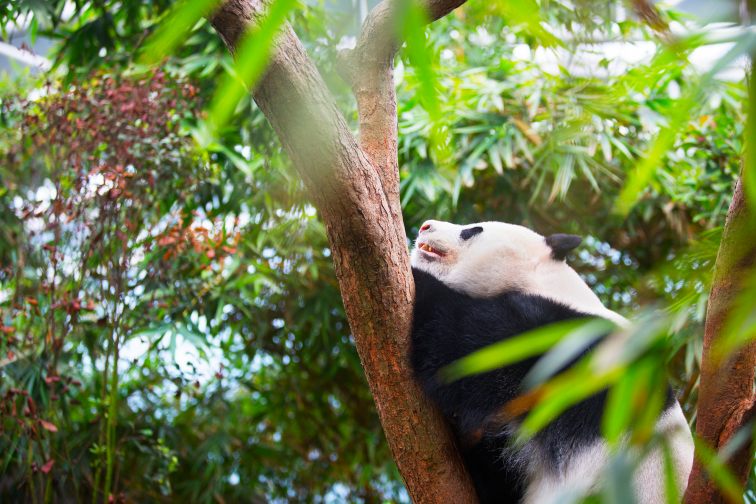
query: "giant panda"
481, 283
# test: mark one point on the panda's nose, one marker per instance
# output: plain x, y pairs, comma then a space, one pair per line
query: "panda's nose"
425, 227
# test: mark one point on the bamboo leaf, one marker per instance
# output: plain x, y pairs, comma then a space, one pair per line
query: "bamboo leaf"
681, 113
563, 392
252, 56
670, 479
567, 350
619, 406
512, 350
717, 469
174, 29
618, 486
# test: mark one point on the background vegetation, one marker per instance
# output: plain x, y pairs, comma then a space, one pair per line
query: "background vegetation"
171, 324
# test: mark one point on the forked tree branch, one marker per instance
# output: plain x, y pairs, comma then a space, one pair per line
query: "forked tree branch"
369, 69
359, 204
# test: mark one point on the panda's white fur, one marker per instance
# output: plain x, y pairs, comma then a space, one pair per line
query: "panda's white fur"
507, 257
582, 474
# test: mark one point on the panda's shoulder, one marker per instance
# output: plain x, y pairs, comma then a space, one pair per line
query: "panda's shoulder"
538, 307
424, 280
517, 310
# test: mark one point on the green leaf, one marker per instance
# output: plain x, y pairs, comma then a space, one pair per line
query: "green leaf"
740, 323
717, 470
749, 165
528, 14
635, 401
252, 57
670, 478
174, 29
618, 411
618, 485
512, 350
679, 116
413, 19
566, 390
567, 350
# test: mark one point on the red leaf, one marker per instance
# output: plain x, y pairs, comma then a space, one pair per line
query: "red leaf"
48, 466
166, 240
48, 426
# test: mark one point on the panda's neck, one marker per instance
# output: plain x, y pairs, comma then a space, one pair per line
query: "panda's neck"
557, 281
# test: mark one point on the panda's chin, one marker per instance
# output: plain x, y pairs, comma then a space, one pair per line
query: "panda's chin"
424, 260
429, 256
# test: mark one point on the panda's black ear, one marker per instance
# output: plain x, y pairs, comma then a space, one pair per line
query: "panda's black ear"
562, 244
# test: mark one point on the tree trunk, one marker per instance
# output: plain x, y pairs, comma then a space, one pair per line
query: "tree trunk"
726, 397
356, 190
726, 400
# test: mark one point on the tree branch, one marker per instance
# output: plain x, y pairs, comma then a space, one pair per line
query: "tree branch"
369, 69
726, 398
368, 242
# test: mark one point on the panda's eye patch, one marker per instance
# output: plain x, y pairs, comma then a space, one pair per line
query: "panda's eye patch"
468, 233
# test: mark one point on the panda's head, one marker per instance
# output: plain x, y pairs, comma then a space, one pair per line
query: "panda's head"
488, 258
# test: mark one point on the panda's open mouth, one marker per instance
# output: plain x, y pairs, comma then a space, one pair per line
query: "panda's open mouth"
425, 247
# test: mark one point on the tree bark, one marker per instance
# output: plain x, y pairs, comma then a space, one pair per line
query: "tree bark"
726, 396
369, 69
356, 190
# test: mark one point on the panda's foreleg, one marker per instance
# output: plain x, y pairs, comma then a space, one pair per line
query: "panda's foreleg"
578, 477
649, 479
583, 472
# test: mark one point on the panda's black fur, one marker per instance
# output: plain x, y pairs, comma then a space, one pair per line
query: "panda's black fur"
448, 325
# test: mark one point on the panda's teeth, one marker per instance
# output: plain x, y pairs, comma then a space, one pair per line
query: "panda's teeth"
429, 249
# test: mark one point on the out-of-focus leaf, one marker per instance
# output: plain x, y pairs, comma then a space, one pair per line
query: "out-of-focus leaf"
174, 29
739, 326
512, 350
567, 350
528, 14
620, 406
413, 19
671, 492
48, 425
47, 466
749, 161
252, 57
566, 390
641, 175
618, 486
717, 470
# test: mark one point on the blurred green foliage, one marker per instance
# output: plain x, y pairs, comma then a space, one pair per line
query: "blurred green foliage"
171, 324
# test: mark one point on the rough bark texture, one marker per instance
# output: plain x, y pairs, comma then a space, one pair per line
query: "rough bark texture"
726, 398
356, 190
369, 68
726, 395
